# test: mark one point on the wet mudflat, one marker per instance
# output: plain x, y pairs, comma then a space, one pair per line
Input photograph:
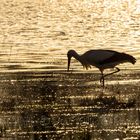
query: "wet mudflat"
69, 106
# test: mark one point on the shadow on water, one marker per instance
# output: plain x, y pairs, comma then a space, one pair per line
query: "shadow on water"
59, 105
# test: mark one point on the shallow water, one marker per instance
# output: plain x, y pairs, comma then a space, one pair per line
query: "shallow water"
39, 98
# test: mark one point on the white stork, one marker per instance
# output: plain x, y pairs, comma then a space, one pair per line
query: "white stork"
101, 59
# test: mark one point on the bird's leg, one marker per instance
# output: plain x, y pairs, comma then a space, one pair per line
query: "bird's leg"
112, 72
103, 82
102, 78
102, 75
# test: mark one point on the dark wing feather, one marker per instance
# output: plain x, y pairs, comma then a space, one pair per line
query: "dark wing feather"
120, 58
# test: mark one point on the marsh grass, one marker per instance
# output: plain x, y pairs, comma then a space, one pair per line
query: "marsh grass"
54, 105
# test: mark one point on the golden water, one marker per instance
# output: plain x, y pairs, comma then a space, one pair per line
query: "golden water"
39, 99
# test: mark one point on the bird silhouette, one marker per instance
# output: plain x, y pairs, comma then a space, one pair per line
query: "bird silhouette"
101, 59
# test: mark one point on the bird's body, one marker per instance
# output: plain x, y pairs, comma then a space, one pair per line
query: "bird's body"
101, 59
104, 59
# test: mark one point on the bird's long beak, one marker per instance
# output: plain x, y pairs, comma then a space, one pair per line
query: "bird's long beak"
69, 58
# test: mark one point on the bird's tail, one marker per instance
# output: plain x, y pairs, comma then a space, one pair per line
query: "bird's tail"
130, 58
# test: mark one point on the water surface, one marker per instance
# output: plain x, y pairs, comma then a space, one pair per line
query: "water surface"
39, 98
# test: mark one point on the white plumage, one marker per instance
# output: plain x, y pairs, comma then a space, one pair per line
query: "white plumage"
101, 59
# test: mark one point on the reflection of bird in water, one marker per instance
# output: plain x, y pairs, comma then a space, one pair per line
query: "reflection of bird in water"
101, 59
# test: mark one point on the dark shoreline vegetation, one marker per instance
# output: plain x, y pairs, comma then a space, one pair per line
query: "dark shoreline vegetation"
61, 105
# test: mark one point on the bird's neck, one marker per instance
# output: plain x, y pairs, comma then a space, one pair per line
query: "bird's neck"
77, 56
82, 60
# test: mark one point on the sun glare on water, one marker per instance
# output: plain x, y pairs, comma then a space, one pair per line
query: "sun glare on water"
138, 6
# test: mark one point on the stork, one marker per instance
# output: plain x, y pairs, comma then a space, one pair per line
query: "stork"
101, 59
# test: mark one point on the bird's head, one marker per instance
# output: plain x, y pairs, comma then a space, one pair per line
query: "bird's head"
70, 54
